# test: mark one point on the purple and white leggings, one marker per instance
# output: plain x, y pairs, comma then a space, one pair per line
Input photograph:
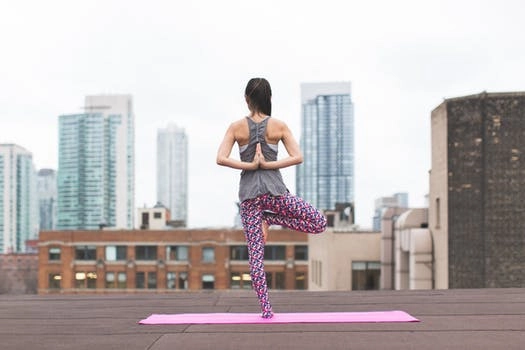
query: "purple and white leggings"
286, 210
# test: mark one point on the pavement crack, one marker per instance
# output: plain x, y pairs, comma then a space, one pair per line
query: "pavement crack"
154, 342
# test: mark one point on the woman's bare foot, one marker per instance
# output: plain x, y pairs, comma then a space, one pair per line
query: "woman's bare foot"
265, 228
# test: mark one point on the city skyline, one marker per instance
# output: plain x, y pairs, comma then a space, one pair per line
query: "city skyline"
188, 63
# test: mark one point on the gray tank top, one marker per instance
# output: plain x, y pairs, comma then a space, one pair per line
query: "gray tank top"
254, 183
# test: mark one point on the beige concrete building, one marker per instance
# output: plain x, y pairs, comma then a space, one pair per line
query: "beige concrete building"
413, 251
438, 197
155, 218
406, 249
344, 258
387, 248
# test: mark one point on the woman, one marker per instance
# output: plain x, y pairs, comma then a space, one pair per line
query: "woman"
263, 195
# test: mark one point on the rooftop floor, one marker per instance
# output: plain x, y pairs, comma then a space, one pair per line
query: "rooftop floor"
450, 319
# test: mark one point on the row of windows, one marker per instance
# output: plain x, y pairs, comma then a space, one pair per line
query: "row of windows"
174, 280
177, 253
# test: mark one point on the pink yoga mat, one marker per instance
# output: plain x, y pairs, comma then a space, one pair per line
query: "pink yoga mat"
317, 317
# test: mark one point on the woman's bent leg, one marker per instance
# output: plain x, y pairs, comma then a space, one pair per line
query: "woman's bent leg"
293, 212
251, 216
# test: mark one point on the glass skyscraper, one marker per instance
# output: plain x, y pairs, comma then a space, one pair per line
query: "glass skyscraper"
326, 176
172, 171
47, 198
18, 200
96, 175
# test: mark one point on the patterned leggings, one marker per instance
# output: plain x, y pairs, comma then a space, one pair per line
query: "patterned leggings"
286, 210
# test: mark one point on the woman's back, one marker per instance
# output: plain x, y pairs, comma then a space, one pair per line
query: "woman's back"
259, 181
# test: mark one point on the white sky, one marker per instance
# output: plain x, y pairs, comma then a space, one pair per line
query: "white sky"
187, 62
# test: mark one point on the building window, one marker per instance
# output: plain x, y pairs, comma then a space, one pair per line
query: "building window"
208, 281
116, 280
274, 252
365, 275
183, 280
54, 254
239, 252
275, 280
208, 254
177, 253
171, 280
279, 280
110, 280
313, 273
54, 280
438, 212
140, 280
320, 272
300, 280
240, 280
86, 252
152, 280
122, 280
145, 280
301, 252
145, 220
330, 220
157, 215
114, 253
146, 252
317, 272
85, 280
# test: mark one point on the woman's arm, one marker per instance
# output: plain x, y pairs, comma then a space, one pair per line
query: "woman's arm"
223, 154
295, 155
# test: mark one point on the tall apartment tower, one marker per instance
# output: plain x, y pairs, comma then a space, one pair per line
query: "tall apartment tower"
47, 198
326, 176
477, 191
18, 200
96, 165
172, 171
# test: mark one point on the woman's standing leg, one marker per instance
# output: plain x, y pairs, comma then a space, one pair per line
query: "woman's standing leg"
293, 212
251, 216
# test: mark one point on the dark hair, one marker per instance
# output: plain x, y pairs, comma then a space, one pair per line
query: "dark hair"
259, 95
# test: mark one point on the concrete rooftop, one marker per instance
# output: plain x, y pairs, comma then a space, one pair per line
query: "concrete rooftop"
450, 319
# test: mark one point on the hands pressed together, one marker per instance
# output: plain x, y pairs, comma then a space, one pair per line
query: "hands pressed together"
258, 161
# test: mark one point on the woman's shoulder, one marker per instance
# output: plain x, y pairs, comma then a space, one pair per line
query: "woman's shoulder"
277, 122
238, 123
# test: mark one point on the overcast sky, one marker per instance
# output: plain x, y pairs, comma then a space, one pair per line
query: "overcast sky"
187, 62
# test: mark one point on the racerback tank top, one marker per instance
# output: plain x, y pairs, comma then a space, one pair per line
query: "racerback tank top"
254, 183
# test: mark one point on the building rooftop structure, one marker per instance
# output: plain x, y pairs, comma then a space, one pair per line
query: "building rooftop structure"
449, 319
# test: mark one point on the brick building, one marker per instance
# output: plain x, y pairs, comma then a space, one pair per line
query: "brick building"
162, 261
477, 191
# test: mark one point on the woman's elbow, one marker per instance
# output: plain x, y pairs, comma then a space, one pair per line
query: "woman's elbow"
220, 160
